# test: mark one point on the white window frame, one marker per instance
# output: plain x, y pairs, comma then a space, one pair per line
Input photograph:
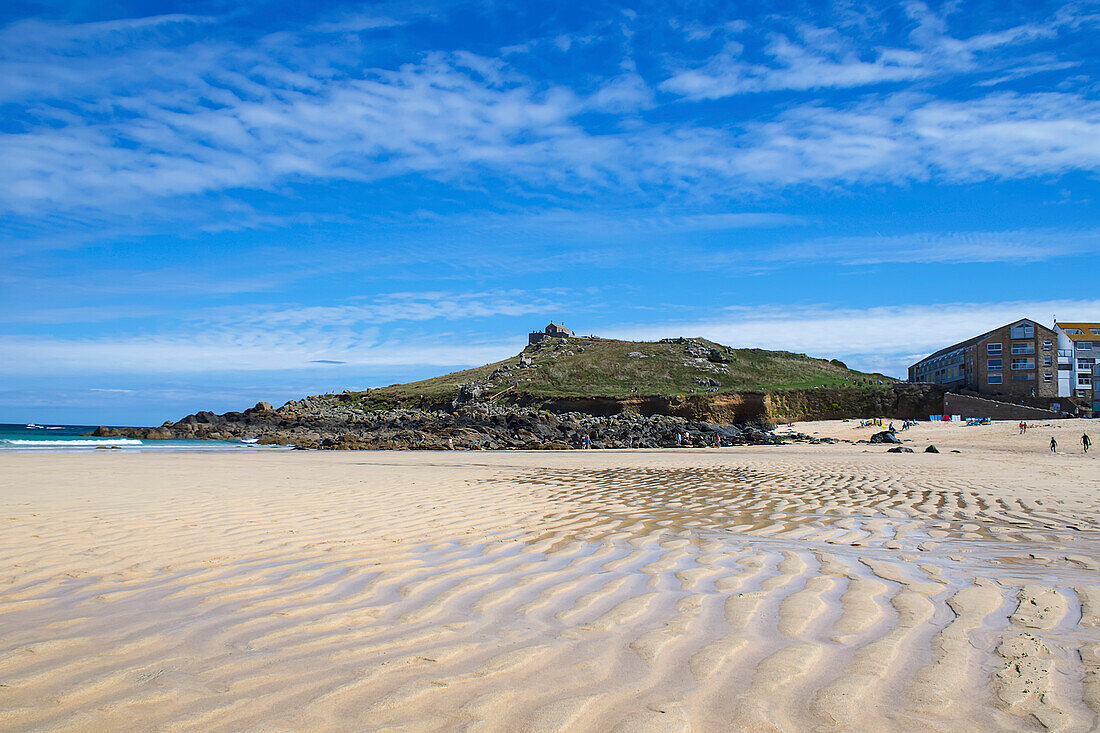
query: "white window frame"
990, 367
994, 349
997, 378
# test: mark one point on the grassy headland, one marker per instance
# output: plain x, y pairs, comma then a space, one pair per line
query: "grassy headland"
588, 366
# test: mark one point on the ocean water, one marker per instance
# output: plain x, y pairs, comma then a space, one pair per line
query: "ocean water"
68, 438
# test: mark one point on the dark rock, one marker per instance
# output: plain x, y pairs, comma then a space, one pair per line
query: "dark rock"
900, 449
931, 449
885, 436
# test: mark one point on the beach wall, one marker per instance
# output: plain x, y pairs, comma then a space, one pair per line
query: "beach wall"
970, 406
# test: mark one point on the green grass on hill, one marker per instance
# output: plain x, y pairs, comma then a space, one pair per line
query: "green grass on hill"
605, 369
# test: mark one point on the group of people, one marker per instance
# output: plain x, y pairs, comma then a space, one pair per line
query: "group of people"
1086, 443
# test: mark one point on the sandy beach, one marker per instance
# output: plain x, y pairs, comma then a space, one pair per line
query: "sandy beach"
793, 588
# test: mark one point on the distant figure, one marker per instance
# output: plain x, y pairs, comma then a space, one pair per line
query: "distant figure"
891, 428
451, 443
679, 440
1053, 445
1021, 427
1086, 441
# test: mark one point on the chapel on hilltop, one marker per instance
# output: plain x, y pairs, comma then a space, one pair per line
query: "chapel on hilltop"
554, 330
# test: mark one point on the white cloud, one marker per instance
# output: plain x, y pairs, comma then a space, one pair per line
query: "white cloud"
256, 338
798, 68
155, 121
886, 338
936, 247
245, 352
824, 58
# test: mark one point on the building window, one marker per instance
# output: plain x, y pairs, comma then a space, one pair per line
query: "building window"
1023, 347
994, 365
1085, 365
1048, 361
1084, 345
1095, 331
1048, 377
1084, 380
993, 349
1023, 331
993, 379
1047, 346
1023, 363
1023, 377
1082, 393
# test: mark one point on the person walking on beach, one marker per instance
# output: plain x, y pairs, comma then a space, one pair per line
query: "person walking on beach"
1053, 445
1086, 441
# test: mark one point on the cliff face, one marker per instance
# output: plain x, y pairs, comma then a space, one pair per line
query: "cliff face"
898, 401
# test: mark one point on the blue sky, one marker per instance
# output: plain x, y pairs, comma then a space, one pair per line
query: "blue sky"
206, 204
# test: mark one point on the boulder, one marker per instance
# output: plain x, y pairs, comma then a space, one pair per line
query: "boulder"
931, 449
885, 436
900, 449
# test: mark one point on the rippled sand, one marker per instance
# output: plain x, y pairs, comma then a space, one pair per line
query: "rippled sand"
790, 588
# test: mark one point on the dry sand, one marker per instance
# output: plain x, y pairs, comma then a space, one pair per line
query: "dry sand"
831, 587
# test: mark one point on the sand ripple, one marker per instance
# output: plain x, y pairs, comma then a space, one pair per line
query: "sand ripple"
793, 589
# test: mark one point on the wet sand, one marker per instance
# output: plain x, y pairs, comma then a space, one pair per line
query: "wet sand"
830, 587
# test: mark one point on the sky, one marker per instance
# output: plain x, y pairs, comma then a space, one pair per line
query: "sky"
206, 204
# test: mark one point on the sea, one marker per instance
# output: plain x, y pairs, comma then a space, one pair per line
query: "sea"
71, 438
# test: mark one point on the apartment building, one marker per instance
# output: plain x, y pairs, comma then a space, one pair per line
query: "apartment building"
1078, 354
1016, 359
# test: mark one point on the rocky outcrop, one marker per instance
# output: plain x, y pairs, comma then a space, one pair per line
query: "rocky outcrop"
329, 423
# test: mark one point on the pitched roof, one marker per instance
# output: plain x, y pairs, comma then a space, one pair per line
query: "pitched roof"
976, 339
1089, 331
